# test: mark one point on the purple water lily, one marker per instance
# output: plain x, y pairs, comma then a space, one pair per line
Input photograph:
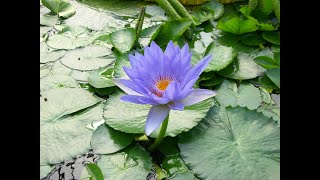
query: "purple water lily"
163, 80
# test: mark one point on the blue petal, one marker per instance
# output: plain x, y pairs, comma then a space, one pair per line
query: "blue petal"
172, 90
134, 61
176, 106
133, 86
197, 96
156, 116
138, 99
169, 49
160, 100
126, 89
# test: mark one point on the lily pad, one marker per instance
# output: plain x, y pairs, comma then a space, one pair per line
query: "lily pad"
266, 62
131, 118
61, 7
44, 171
149, 34
222, 56
94, 19
176, 168
171, 30
274, 75
106, 140
235, 25
131, 163
57, 81
87, 58
243, 67
236, 142
101, 78
273, 37
246, 95
123, 40
66, 111
48, 54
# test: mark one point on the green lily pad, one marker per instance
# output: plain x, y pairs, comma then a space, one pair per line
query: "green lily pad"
71, 38
106, 140
274, 75
172, 30
61, 7
271, 111
252, 39
235, 25
233, 143
101, 78
276, 8
246, 95
47, 54
48, 19
123, 40
67, 112
57, 81
131, 118
176, 168
266, 62
243, 67
94, 19
222, 56
45, 170
149, 34
131, 163
87, 58
266, 6
273, 37
93, 172
121, 61
45, 70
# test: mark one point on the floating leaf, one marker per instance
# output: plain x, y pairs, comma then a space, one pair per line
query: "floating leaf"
266, 6
243, 67
61, 7
87, 58
94, 171
49, 55
131, 118
222, 56
274, 75
174, 165
45, 170
235, 25
149, 34
276, 8
228, 94
266, 62
60, 115
252, 39
101, 78
106, 140
236, 143
57, 81
131, 163
94, 19
273, 37
123, 40
171, 30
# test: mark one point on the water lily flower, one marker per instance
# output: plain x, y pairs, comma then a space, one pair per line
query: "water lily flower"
164, 80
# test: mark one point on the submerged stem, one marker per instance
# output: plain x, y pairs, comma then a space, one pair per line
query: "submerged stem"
161, 134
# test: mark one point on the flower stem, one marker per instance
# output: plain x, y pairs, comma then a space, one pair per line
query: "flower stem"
161, 134
170, 11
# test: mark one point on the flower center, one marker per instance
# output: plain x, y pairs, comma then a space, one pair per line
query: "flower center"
162, 84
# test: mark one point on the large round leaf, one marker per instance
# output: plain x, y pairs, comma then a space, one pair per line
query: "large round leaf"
176, 168
233, 143
131, 118
57, 81
61, 7
64, 115
222, 56
87, 58
132, 163
60, 41
243, 67
274, 75
236, 25
246, 95
106, 140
